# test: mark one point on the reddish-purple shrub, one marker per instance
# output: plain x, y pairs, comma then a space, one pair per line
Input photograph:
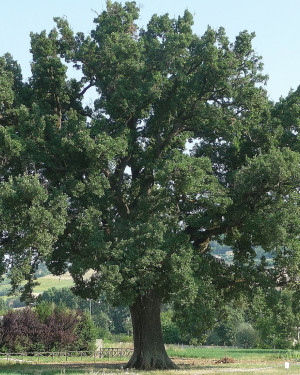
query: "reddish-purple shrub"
63, 329
21, 330
60, 329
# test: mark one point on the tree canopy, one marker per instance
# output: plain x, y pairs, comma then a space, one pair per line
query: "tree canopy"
181, 146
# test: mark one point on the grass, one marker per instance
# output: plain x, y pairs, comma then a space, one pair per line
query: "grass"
55, 359
192, 361
237, 353
46, 282
92, 370
51, 281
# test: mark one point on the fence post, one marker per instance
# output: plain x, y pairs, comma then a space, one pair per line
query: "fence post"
102, 353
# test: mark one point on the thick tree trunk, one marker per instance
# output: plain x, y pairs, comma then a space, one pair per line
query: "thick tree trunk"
149, 351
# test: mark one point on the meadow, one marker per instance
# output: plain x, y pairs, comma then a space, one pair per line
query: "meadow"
214, 352
191, 361
45, 283
51, 281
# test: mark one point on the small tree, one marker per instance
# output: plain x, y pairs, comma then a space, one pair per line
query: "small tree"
105, 317
86, 333
275, 318
44, 310
246, 336
229, 318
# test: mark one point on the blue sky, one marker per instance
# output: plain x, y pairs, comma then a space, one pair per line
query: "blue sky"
275, 22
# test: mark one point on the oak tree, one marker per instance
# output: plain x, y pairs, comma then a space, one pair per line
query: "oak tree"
178, 149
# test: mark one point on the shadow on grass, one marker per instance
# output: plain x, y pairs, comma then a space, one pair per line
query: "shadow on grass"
54, 369
92, 368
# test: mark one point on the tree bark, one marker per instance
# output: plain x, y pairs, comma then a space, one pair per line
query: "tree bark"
149, 350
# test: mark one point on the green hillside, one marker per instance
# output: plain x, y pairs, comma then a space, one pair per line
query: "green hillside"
45, 283
50, 281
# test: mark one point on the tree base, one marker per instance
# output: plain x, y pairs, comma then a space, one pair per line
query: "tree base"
151, 362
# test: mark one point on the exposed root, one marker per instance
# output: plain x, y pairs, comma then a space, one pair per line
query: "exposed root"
150, 363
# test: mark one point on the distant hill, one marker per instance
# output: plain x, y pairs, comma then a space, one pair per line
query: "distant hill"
225, 252
46, 281
50, 281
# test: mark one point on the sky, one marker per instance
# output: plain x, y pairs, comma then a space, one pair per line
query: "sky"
275, 23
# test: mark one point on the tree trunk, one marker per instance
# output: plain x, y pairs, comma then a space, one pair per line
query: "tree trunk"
149, 350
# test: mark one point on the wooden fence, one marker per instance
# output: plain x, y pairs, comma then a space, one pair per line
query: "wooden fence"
67, 356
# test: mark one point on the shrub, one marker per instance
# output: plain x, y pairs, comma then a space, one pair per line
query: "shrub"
246, 336
121, 337
44, 310
42, 329
86, 333
21, 330
60, 329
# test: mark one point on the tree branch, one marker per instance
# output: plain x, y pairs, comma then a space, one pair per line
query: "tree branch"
85, 89
201, 239
175, 131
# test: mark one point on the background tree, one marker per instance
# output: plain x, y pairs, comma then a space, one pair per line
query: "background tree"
246, 336
115, 188
170, 329
275, 319
108, 320
231, 317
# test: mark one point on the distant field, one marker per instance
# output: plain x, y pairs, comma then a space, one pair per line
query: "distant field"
46, 282
50, 281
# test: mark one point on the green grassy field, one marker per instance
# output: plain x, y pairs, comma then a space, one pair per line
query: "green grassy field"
51, 281
45, 283
236, 353
191, 361
109, 370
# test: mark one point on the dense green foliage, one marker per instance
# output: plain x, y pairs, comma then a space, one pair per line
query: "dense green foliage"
108, 320
181, 147
270, 320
